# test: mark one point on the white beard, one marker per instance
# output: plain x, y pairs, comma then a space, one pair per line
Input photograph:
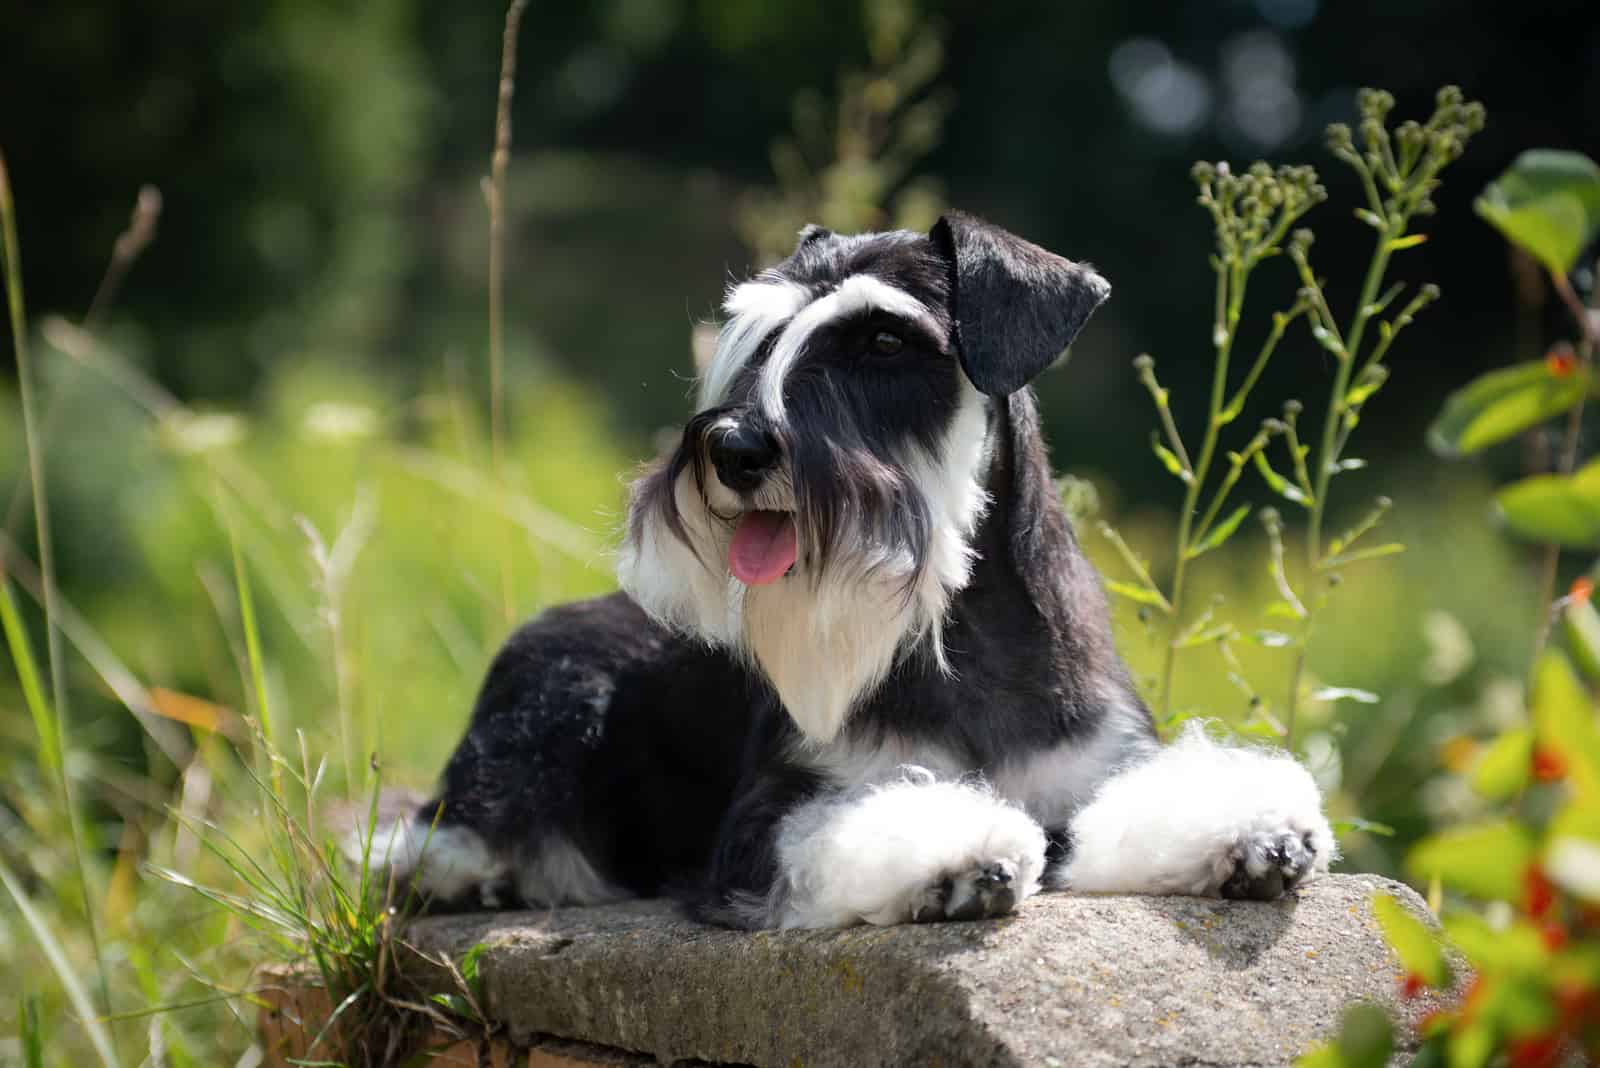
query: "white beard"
825, 645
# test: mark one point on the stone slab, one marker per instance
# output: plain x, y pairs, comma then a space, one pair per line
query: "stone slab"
1067, 980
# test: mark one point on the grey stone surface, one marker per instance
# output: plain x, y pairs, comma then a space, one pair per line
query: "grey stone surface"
1067, 980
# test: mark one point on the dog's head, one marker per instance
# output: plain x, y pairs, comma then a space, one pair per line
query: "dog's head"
818, 512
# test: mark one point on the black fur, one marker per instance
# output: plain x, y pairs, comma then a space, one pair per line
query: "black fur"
1018, 306
668, 762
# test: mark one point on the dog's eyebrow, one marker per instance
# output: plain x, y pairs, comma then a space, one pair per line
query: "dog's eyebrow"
858, 293
755, 309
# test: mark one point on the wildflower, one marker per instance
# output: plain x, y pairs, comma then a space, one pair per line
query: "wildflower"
1561, 360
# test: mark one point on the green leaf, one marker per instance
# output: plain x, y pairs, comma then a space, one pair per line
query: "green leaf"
1581, 623
1357, 824
1564, 717
1280, 485
1366, 1037
1485, 860
1472, 1045
1137, 594
1219, 533
1564, 509
1323, 1056
1503, 404
1392, 548
469, 966
1503, 768
1169, 459
1281, 609
1205, 635
1414, 943
1402, 243
454, 1003
1345, 693
1547, 202
1514, 948
1372, 380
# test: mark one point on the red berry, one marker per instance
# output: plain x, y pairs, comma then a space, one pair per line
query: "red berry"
1554, 937
1538, 893
1561, 360
1577, 1003
1548, 765
1412, 985
1535, 1051
1582, 589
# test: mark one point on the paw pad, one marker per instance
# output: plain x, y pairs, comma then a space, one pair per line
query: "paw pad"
987, 890
1269, 865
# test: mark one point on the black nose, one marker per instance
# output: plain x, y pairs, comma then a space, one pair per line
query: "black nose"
742, 456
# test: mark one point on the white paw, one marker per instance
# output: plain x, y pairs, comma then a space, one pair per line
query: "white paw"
1206, 819
990, 889
1267, 864
914, 850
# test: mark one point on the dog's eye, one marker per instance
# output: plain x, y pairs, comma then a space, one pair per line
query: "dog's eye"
886, 344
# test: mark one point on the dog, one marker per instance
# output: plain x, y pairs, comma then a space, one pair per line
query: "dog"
860, 670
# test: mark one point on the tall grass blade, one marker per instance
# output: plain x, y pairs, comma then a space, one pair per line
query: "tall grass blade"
44, 720
30, 1031
258, 674
53, 952
47, 568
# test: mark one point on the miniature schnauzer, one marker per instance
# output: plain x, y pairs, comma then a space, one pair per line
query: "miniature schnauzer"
861, 672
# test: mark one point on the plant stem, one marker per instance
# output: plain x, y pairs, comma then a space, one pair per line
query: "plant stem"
1231, 278
1569, 452
1327, 454
47, 570
495, 188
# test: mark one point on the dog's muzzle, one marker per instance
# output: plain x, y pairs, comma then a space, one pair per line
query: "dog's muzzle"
764, 545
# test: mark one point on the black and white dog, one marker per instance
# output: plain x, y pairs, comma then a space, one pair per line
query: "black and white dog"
861, 672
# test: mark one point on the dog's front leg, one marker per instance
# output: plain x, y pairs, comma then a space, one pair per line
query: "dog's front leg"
914, 850
1202, 818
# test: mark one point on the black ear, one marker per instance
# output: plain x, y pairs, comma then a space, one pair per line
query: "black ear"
1017, 306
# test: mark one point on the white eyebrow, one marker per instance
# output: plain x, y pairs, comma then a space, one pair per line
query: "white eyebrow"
755, 309
858, 293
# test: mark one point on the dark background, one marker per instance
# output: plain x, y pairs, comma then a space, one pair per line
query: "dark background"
319, 165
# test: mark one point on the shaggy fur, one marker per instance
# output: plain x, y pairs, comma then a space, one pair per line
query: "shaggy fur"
910, 707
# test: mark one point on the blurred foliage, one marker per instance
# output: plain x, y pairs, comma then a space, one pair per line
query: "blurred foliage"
299, 355
854, 172
1523, 872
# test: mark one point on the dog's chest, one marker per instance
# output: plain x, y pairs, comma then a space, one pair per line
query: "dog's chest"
1050, 783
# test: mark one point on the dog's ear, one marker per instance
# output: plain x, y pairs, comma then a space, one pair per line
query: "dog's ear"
1017, 306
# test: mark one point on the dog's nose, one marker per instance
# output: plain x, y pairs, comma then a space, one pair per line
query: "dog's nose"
742, 456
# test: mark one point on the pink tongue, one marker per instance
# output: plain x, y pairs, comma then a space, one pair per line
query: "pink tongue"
763, 547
